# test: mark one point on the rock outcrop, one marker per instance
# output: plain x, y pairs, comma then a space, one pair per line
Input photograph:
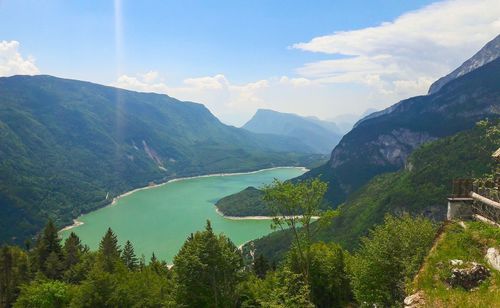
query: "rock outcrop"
415, 300
467, 275
493, 258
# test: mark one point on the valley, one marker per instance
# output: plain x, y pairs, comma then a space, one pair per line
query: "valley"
159, 219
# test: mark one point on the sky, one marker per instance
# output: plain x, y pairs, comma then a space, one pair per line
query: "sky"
313, 58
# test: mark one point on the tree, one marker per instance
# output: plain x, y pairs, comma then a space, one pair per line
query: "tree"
73, 250
6, 277
206, 270
49, 245
328, 280
45, 294
261, 266
286, 289
128, 256
296, 206
109, 251
389, 258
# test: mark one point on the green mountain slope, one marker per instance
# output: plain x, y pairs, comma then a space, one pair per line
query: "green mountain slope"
319, 135
421, 188
68, 147
247, 202
382, 143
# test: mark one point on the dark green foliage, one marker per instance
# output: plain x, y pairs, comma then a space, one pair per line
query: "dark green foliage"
285, 289
389, 259
109, 251
328, 279
247, 202
14, 271
421, 188
261, 266
73, 250
206, 270
69, 147
48, 252
128, 256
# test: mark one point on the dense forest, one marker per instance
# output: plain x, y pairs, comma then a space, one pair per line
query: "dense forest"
210, 271
68, 147
421, 188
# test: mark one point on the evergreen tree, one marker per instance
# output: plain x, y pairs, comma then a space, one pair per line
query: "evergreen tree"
6, 291
72, 250
128, 256
261, 266
14, 271
53, 266
109, 251
206, 270
48, 243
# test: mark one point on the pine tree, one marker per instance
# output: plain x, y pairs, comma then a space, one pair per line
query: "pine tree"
47, 243
207, 268
6, 292
73, 249
53, 266
128, 256
261, 266
109, 251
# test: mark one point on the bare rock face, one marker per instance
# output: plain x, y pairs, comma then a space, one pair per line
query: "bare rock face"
493, 258
468, 276
488, 53
414, 300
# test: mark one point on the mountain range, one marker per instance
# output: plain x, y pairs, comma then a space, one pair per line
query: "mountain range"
321, 136
68, 147
402, 159
383, 141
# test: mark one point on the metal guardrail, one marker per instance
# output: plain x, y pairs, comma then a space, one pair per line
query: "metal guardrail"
484, 198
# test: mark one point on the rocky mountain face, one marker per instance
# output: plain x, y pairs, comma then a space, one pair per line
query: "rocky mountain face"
67, 147
488, 53
382, 144
321, 136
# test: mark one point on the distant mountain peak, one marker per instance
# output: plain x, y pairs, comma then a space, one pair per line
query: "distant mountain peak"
487, 54
317, 134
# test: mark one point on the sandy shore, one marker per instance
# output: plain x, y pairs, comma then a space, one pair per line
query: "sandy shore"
256, 217
77, 223
115, 199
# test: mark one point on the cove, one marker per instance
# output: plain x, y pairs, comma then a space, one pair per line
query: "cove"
159, 219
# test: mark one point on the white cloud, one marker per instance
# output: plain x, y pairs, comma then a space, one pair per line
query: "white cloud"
403, 57
227, 100
13, 63
372, 67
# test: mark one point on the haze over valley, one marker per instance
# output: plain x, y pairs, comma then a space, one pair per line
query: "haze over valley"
248, 154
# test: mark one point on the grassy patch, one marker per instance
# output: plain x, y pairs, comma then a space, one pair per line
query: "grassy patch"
468, 244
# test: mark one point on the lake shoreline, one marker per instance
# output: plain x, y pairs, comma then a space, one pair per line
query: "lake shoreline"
77, 223
256, 217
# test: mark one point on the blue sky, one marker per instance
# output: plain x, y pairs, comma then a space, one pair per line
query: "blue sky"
237, 56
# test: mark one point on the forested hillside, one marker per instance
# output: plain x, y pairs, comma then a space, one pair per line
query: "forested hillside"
69, 146
421, 188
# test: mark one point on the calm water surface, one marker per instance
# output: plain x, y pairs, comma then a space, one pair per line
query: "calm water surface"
160, 219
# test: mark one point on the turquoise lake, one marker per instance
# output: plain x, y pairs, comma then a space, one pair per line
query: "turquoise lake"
160, 219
